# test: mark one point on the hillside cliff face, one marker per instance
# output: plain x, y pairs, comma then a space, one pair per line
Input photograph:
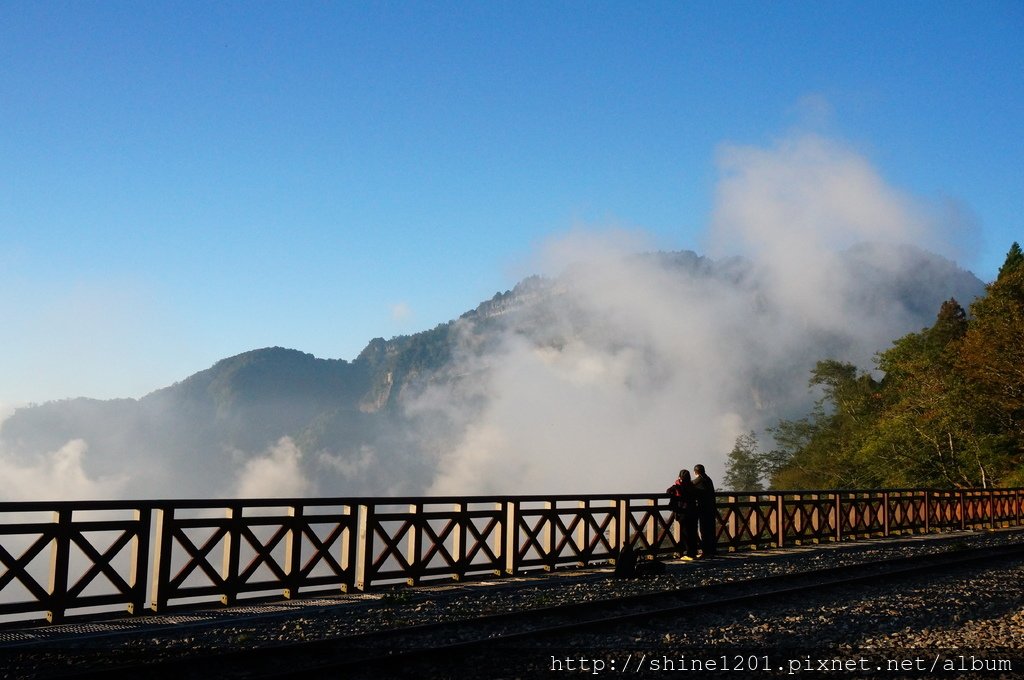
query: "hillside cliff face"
385, 421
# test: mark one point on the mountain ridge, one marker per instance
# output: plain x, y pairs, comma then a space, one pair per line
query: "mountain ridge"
363, 418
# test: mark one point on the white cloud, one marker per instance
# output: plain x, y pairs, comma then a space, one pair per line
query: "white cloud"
646, 369
57, 475
277, 473
349, 467
401, 312
806, 195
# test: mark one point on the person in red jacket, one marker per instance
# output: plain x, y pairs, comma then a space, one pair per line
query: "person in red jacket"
683, 502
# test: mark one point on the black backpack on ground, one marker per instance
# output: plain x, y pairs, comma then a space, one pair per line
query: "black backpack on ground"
650, 567
625, 562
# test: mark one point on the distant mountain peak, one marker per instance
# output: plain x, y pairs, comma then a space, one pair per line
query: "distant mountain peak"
378, 424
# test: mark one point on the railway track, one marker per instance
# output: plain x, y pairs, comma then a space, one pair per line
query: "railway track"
450, 644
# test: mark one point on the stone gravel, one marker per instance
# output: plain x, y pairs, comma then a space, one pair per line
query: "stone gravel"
975, 610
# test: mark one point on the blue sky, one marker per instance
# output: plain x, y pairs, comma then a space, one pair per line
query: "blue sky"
184, 181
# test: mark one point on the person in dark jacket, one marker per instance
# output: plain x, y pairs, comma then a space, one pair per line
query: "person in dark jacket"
683, 501
707, 514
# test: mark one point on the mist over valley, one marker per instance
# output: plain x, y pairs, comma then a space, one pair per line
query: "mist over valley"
606, 378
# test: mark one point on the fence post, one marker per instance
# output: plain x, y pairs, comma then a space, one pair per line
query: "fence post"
162, 558
293, 552
927, 511
458, 553
232, 550
675, 533
732, 523
550, 517
348, 550
622, 532
992, 506
140, 560
885, 514
364, 546
583, 533
60, 553
414, 544
511, 536
500, 538
837, 504
780, 514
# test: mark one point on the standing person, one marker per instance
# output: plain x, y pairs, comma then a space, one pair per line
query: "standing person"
707, 513
683, 501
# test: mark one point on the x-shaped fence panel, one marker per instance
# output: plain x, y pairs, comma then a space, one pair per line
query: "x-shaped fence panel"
1007, 507
186, 551
431, 540
560, 533
320, 549
749, 520
945, 510
259, 564
96, 558
394, 545
484, 531
23, 566
861, 514
244, 548
807, 517
649, 526
978, 509
908, 511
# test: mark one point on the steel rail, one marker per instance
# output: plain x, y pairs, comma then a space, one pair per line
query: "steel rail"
450, 640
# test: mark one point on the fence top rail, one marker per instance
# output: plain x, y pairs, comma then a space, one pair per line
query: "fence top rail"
306, 502
378, 501
918, 490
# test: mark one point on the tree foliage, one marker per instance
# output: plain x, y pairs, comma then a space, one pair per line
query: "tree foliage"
949, 410
824, 449
745, 466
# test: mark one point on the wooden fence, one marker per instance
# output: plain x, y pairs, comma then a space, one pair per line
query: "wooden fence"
71, 558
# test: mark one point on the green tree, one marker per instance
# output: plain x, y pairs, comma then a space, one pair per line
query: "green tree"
824, 449
1014, 261
948, 412
993, 350
928, 430
991, 359
744, 466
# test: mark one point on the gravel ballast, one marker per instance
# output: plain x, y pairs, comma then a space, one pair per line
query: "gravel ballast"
975, 613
